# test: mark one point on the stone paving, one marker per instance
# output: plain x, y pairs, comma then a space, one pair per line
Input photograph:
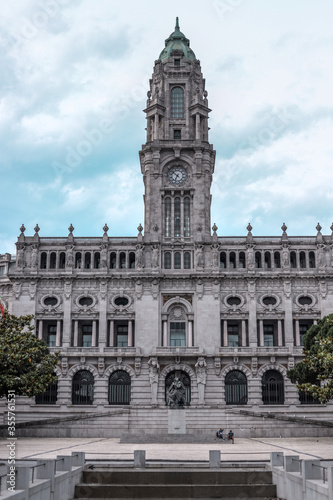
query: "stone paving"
243, 449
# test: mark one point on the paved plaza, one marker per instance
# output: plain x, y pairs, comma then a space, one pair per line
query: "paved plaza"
243, 449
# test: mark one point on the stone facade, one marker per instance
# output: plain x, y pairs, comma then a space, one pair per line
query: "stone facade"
224, 314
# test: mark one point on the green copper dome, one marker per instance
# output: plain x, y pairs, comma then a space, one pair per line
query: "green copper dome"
177, 41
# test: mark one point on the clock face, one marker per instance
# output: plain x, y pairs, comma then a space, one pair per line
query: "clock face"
177, 175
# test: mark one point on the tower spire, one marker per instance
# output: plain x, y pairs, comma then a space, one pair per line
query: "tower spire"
177, 24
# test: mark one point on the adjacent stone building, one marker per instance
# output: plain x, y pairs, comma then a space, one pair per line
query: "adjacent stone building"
224, 315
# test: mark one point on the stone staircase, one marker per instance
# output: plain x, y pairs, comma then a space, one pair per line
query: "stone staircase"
176, 483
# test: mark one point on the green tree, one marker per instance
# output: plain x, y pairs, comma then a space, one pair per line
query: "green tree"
26, 365
314, 374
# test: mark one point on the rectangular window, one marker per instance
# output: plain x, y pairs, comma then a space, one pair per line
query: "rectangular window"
122, 336
303, 328
177, 334
177, 134
86, 335
177, 63
2, 270
52, 335
233, 335
268, 335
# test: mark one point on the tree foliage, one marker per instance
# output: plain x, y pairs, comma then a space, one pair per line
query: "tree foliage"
314, 374
26, 365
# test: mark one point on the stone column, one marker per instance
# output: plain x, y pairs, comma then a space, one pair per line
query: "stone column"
197, 127
76, 333
225, 333
94, 334
111, 341
190, 334
165, 332
130, 333
58, 336
243, 333
261, 333
156, 127
297, 334
40, 329
279, 325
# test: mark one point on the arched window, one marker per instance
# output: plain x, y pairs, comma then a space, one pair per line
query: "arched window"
277, 259
78, 260
167, 215
177, 327
293, 261
97, 260
223, 260
235, 388
122, 260
177, 260
53, 260
119, 388
167, 260
232, 260
312, 260
113, 260
187, 217
62, 260
268, 263
185, 380
187, 260
272, 388
48, 397
177, 102
302, 260
177, 217
43, 257
242, 261
132, 260
258, 259
87, 260
83, 388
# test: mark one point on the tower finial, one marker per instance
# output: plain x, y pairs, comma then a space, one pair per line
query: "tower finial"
177, 24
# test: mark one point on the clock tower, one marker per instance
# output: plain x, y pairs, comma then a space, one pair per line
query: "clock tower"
177, 161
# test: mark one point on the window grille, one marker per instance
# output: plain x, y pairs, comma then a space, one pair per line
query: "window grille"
83, 388
236, 388
48, 397
272, 388
177, 102
119, 388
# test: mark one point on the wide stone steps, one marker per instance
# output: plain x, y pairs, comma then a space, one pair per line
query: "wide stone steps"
176, 483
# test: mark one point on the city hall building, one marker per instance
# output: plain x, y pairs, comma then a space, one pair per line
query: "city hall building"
129, 315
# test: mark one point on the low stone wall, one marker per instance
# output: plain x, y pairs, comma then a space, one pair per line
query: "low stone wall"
301, 479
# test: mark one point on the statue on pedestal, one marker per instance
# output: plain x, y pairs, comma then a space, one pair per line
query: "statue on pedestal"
176, 394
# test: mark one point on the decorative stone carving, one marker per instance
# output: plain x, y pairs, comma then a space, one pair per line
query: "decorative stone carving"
199, 256
137, 366
68, 290
254, 366
216, 289
139, 256
321, 257
215, 256
175, 397
101, 366
154, 256
82, 360
200, 289
291, 363
64, 366
69, 256
34, 257
104, 255
22, 229
154, 371
250, 257
20, 261
252, 289
138, 289
287, 289
103, 289
285, 256
201, 371
71, 229
32, 290
17, 290
217, 366
323, 289
155, 288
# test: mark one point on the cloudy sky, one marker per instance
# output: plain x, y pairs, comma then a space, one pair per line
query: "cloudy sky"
74, 78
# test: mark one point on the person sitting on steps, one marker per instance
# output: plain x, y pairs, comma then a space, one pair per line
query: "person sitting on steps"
219, 434
231, 436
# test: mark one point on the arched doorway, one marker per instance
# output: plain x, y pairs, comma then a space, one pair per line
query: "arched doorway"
272, 388
236, 388
119, 388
